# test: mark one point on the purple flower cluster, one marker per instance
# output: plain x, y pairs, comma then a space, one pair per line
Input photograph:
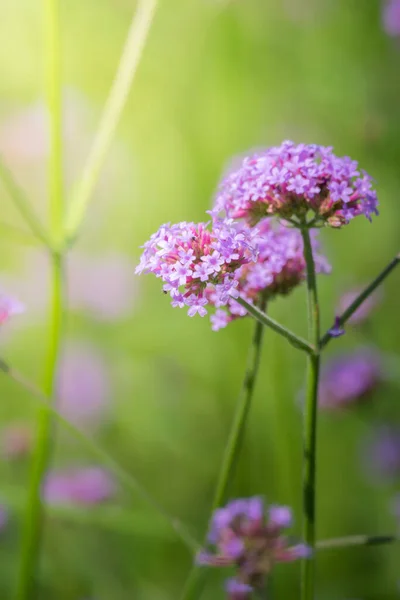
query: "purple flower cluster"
349, 378
197, 263
293, 181
280, 267
391, 17
84, 486
251, 538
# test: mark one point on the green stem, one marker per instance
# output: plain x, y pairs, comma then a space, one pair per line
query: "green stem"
310, 421
113, 466
23, 205
264, 319
195, 580
32, 531
115, 104
357, 540
345, 316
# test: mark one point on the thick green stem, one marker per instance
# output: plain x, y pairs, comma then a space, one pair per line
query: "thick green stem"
310, 422
345, 316
195, 581
32, 531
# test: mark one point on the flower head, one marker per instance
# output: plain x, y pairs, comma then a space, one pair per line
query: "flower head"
349, 378
280, 267
251, 538
298, 182
196, 262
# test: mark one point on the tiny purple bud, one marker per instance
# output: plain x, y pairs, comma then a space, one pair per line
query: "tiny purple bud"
237, 590
337, 330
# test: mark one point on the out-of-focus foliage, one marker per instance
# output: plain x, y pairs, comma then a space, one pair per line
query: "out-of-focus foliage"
217, 79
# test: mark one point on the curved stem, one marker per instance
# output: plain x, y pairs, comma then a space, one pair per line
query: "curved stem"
195, 580
32, 531
310, 421
357, 540
115, 104
266, 320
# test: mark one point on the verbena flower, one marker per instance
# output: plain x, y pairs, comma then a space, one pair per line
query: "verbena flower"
363, 312
195, 261
280, 267
297, 182
250, 537
349, 378
84, 486
391, 17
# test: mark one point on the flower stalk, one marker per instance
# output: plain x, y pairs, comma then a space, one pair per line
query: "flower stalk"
195, 580
310, 421
32, 530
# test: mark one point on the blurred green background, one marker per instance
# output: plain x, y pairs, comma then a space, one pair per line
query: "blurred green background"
216, 79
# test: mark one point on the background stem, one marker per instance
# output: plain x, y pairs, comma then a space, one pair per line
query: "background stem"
310, 421
195, 581
32, 530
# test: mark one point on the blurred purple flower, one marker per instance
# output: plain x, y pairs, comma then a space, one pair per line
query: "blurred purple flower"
9, 307
84, 486
382, 454
102, 286
83, 384
250, 537
16, 440
391, 17
349, 378
363, 312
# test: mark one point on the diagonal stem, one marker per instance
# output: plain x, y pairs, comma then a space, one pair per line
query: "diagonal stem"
114, 467
195, 580
357, 540
345, 316
310, 421
23, 205
33, 525
115, 104
264, 319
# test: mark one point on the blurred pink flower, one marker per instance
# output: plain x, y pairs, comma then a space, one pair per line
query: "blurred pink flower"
391, 17
83, 384
16, 440
104, 286
84, 486
9, 307
365, 309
